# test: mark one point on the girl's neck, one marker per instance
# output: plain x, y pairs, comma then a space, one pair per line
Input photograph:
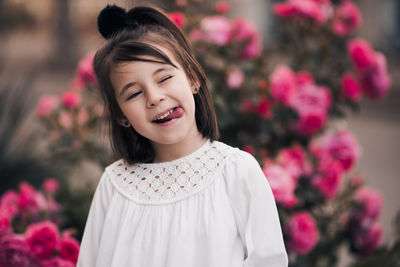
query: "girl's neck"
169, 152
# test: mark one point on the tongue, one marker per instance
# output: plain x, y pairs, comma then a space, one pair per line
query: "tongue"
177, 113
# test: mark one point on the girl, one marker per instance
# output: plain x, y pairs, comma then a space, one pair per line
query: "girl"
177, 197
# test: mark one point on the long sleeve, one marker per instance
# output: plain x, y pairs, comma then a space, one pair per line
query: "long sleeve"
255, 213
92, 235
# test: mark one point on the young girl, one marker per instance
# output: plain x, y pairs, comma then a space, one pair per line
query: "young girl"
177, 197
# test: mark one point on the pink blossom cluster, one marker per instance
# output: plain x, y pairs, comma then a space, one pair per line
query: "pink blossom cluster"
221, 31
371, 68
336, 152
178, 18
41, 243
85, 72
302, 232
27, 204
318, 11
283, 174
347, 18
298, 91
364, 231
262, 107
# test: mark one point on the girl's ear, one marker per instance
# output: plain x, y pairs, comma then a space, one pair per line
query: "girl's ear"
124, 122
195, 87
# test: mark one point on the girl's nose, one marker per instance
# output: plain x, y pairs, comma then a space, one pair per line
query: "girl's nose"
154, 97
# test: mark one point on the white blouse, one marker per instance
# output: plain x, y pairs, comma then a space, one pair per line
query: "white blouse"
211, 208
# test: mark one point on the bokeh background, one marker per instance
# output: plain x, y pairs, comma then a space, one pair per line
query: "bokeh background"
42, 41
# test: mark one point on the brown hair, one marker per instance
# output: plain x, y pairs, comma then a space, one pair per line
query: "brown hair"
149, 26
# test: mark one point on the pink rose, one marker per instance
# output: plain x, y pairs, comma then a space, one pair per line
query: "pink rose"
294, 161
244, 30
14, 251
377, 81
350, 88
46, 104
314, 10
329, 178
178, 18
51, 186
216, 29
42, 238
362, 55
312, 104
340, 145
85, 69
372, 203
222, 7
71, 99
282, 184
65, 120
5, 224
303, 78
69, 249
27, 198
249, 149
83, 116
283, 84
302, 231
347, 18
366, 241
9, 203
235, 78
263, 108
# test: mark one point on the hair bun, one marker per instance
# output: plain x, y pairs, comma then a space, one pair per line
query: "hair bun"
111, 20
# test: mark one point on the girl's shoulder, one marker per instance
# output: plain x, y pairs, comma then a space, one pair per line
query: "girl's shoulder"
166, 182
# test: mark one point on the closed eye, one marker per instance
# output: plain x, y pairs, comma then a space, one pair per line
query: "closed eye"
133, 95
165, 79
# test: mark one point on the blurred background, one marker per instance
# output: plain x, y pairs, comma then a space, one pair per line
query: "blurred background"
41, 43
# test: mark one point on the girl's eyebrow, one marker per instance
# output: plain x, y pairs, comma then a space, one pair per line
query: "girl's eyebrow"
128, 85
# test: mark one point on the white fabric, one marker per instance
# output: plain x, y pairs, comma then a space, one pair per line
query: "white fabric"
212, 208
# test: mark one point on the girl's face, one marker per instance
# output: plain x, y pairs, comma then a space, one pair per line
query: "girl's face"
157, 99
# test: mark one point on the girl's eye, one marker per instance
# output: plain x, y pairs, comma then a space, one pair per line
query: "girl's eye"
133, 95
165, 79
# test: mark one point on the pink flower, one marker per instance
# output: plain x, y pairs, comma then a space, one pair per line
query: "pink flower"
5, 224
85, 69
82, 117
347, 18
366, 241
51, 186
222, 7
263, 108
372, 203
362, 55
216, 30
70, 99
340, 145
293, 160
42, 238
283, 83
27, 198
303, 78
69, 249
282, 184
329, 178
314, 10
9, 203
178, 18
235, 78
303, 232
65, 120
244, 30
350, 88
312, 104
46, 104
14, 251
376, 82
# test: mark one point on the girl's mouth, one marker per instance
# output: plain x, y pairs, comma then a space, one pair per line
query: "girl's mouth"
170, 115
